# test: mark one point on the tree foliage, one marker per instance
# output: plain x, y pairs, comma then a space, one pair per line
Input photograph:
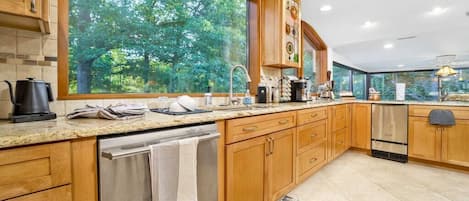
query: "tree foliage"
155, 46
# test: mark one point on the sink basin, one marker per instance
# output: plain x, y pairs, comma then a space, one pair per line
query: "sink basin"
243, 107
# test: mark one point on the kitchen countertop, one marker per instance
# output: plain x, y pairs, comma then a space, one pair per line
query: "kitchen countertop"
12, 135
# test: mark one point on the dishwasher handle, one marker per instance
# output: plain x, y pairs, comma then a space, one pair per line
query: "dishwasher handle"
116, 153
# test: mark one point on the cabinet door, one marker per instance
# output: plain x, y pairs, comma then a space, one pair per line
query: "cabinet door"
455, 140
310, 135
280, 164
361, 126
30, 8
424, 139
36, 168
339, 142
339, 117
245, 167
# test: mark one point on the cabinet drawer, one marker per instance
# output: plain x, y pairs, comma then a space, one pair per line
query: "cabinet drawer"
250, 127
310, 135
311, 115
35, 168
339, 117
22, 7
340, 143
63, 193
424, 111
310, 159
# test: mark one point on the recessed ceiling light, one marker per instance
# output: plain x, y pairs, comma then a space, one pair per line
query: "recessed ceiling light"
437, 11
326, 8
388, 46
369, 24
400, 65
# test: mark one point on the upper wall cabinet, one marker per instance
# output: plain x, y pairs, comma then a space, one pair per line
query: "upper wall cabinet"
281, 33
32, 15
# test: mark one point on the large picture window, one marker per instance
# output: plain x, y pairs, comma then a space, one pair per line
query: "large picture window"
349, 79
155, 46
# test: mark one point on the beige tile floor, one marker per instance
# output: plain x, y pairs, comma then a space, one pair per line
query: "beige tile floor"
358, 177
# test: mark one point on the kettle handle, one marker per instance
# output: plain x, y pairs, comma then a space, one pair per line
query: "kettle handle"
49, 92
12, 98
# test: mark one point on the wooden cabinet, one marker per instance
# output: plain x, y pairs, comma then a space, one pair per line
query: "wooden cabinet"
281, 33
311, 115
261, 168
340, 137
455, 139
361, 126
311, 161
245, 167
63, 193
424, 139
281, 164
309, 135
35, 168
30, 15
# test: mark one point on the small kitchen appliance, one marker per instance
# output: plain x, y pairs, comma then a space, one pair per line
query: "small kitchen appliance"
31, 101
300, 91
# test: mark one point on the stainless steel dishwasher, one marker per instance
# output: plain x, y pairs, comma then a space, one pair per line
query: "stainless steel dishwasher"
389, 132
124, 169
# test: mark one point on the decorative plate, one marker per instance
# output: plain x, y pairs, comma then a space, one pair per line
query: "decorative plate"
288, 29
294, 12
290, 48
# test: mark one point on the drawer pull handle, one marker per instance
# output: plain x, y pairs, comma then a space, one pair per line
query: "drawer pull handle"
313, 160
250, 129
314, 135
314, 115
283, 122
33, 6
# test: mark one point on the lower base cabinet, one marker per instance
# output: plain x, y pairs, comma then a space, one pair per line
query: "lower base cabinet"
424, 139
310, 161
455, 149
261, 168
339, 142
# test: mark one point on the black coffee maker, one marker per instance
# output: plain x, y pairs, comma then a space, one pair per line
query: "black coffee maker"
31, 101
300, 91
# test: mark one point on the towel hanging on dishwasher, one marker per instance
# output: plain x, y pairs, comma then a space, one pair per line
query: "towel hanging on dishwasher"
442, 117
173, 168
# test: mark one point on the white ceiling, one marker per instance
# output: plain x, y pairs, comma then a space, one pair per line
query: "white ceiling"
341, 29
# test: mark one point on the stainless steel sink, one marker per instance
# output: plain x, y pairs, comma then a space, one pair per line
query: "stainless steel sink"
243, 107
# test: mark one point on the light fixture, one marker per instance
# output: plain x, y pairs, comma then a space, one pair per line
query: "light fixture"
326, 8
437, 11
388, 46
369, 24
444, 62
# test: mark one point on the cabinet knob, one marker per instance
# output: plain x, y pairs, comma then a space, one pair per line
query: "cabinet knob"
33, 6
313, 160
314, 115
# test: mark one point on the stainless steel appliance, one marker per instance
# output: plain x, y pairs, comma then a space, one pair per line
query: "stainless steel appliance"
300, 91
31, 100
124, 170
389, 132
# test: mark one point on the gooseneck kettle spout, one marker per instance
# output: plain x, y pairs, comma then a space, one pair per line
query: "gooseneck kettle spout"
12, 98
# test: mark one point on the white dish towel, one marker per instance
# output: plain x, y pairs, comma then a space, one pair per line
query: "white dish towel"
187, 182
173, 167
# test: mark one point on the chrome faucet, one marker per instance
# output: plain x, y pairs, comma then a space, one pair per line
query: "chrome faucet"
248, 80
441, 92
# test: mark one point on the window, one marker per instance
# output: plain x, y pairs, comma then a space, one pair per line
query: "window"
349, 79
141, 46
420, 85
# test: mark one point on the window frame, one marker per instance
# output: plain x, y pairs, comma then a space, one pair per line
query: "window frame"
350, 81
321, 51
253, 52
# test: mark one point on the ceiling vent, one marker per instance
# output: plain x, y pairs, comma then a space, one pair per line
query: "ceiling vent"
407, 38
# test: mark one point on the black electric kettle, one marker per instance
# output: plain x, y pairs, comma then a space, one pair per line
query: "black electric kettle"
31, 97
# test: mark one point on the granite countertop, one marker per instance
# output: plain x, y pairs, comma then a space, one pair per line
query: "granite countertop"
12, 135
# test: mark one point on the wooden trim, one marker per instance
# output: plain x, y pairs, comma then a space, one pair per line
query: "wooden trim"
84, 169
321, 51
63, 41
221, 161
254, 44
440, 165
